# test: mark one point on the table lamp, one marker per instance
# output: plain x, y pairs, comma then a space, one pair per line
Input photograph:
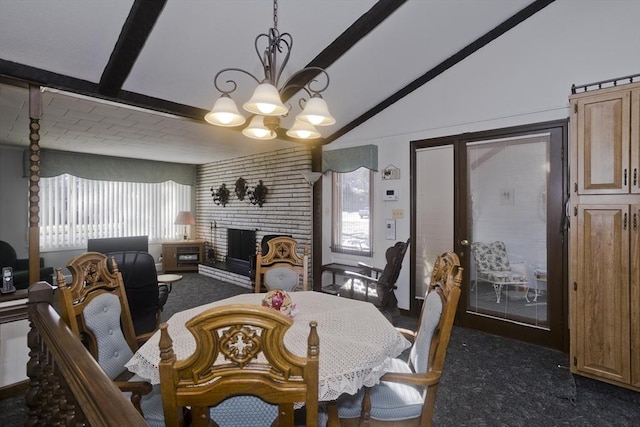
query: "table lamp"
185, 218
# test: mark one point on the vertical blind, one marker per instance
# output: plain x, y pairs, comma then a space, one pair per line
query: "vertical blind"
76, 209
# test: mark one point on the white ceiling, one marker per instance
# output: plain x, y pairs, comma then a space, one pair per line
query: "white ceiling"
66, 44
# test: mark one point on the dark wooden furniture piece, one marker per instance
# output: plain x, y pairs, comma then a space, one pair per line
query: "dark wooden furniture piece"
282, 267
184, 255
239, 351
371, 283
339, 270
59, 365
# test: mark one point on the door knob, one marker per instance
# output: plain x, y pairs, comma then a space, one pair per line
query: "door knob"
464, 242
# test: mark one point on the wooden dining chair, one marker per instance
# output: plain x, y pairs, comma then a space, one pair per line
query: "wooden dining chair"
282, 267
407, 392
240, 372
95, 308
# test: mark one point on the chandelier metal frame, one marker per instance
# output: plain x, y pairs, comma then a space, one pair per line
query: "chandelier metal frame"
264, 123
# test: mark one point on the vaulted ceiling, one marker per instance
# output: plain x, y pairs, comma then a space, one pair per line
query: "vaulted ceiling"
144, 69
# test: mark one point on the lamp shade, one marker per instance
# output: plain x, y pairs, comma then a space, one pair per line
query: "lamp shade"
311, 177
316, 112
266, 101
225, 113
257, 129
303, 130
185, 218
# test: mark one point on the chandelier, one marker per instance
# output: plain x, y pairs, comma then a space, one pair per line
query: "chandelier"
266, 105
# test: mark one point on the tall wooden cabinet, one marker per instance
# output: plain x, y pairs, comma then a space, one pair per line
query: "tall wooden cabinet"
605, 235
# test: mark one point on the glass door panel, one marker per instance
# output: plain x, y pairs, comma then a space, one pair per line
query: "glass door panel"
508, 181
434, 174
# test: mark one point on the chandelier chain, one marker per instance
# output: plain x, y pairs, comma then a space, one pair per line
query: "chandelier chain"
275, 14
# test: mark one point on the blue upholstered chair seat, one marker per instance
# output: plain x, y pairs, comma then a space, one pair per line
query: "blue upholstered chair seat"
390, 401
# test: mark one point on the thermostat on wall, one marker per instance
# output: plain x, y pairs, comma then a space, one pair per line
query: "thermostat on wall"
390, 195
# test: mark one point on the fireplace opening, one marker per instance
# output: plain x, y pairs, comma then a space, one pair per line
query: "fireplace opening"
241, 247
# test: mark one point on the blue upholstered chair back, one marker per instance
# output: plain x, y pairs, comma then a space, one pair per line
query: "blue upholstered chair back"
282, 278
432, 311
102, 317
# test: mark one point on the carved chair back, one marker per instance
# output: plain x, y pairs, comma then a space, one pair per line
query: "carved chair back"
282, 267
96, 309
239, 352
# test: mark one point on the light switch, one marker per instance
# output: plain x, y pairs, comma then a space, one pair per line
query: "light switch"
397, 213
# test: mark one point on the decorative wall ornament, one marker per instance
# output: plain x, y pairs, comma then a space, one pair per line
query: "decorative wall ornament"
391, 172
258, 195
221, 195
241, 188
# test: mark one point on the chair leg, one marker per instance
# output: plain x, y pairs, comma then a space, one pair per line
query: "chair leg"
497, 287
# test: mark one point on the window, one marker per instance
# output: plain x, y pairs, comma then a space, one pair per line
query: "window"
352, 212
73, 210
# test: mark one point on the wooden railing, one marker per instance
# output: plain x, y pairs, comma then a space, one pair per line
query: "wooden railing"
66, 384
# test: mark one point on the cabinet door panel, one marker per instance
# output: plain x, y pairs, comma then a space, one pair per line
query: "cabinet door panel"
603, 347
635, 294
634, 171
603, 163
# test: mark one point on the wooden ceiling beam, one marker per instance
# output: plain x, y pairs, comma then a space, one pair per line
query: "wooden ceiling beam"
454, 59
134, 34
345, 41
13, 72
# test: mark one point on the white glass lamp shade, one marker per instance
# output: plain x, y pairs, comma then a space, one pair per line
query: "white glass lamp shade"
311, 177
257, 129
316, 112
266, 101
225, 113
303, 130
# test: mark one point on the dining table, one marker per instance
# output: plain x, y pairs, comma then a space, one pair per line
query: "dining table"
357, 343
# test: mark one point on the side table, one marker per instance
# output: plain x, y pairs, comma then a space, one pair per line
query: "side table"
169, 279
338, 269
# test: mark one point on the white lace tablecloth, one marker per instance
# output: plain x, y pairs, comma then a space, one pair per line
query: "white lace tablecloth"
356, 340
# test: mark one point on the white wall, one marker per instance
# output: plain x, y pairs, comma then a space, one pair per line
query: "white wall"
14, 196
525, 76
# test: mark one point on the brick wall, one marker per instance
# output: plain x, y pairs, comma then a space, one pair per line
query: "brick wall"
287, 207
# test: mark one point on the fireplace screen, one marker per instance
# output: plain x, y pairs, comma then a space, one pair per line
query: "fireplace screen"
241, 247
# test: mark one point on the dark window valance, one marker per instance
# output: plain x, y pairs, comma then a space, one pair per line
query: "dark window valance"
349, 159
108, 168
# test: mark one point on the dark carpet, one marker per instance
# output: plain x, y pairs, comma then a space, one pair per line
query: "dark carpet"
487, 381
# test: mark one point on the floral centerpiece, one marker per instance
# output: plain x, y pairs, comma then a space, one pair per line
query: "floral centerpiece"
280, 301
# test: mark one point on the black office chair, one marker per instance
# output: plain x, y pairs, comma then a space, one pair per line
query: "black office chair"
146, 297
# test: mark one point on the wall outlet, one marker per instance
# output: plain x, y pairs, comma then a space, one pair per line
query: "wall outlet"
397, 213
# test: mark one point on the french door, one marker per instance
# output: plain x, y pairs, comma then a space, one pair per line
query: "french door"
497, 199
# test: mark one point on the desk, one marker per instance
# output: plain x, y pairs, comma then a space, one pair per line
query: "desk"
356, 341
